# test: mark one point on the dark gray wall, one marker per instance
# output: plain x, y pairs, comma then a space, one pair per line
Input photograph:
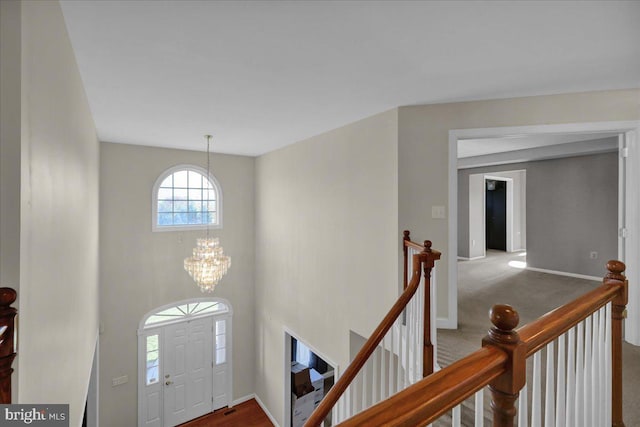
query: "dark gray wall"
572, 210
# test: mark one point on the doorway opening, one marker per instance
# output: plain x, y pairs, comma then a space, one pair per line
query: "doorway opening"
184, 361
495, 218
484, 217
303, 363
625, 140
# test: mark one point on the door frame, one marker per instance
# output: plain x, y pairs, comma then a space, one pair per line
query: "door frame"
288, 334
158, 328
629, 246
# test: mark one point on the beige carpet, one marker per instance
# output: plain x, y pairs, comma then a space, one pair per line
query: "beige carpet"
491, 280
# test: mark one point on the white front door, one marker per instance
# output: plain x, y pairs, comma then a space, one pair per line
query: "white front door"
188, 388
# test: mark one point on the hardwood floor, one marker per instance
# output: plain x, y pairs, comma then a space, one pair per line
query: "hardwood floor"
246, 414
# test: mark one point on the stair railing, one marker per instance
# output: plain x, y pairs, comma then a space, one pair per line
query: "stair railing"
7, 346
585, 389
398, 352
426, 325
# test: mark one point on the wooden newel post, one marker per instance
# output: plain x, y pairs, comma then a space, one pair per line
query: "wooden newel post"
618, 314
7, 353
505, 388
428, 257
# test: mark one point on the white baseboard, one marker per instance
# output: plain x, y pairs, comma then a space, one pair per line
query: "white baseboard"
462, 258
266, 411
445, 323
564, 273
243, 399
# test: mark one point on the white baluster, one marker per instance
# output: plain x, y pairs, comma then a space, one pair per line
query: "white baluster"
455, 417
420, 323
608, 365
348, 409
536, 404
410, 342
399, 375
366, 386
523, 407
561, 383
383, 372
595, 370
479, 408
358, 396
588, 383
579, 396
432, 313
602, 368
571, 379
549, 409
405, 343
374, 377
391, 360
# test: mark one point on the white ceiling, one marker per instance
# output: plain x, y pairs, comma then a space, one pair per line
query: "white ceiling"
260, 75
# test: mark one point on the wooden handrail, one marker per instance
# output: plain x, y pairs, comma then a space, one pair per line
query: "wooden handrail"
547, 328
425, 259
428, 399
501, 362
7, 347
408, 243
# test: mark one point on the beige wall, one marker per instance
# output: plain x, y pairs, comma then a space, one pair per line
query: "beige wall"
58, 215
141, 270
326, 244
423, 150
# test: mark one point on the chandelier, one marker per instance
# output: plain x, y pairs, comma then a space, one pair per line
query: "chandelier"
208, 264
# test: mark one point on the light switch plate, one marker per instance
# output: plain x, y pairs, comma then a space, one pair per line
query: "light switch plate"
119, 380
437, 212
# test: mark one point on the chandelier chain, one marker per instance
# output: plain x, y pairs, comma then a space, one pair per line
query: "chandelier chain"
208, 264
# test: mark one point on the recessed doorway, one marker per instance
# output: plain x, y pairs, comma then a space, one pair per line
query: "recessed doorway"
300, 356
495, 214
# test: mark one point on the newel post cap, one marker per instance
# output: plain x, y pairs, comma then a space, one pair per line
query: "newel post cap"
7, 296
615, 268
505, 319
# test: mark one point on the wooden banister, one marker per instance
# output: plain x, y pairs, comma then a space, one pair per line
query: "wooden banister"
428, 399
7, 348
501, 363
547, 328
425, 259
408, 243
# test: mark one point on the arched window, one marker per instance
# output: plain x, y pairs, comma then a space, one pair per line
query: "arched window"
185, 311
184, 197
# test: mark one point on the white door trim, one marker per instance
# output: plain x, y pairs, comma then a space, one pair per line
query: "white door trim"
288, 334
631, 129
158, 328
